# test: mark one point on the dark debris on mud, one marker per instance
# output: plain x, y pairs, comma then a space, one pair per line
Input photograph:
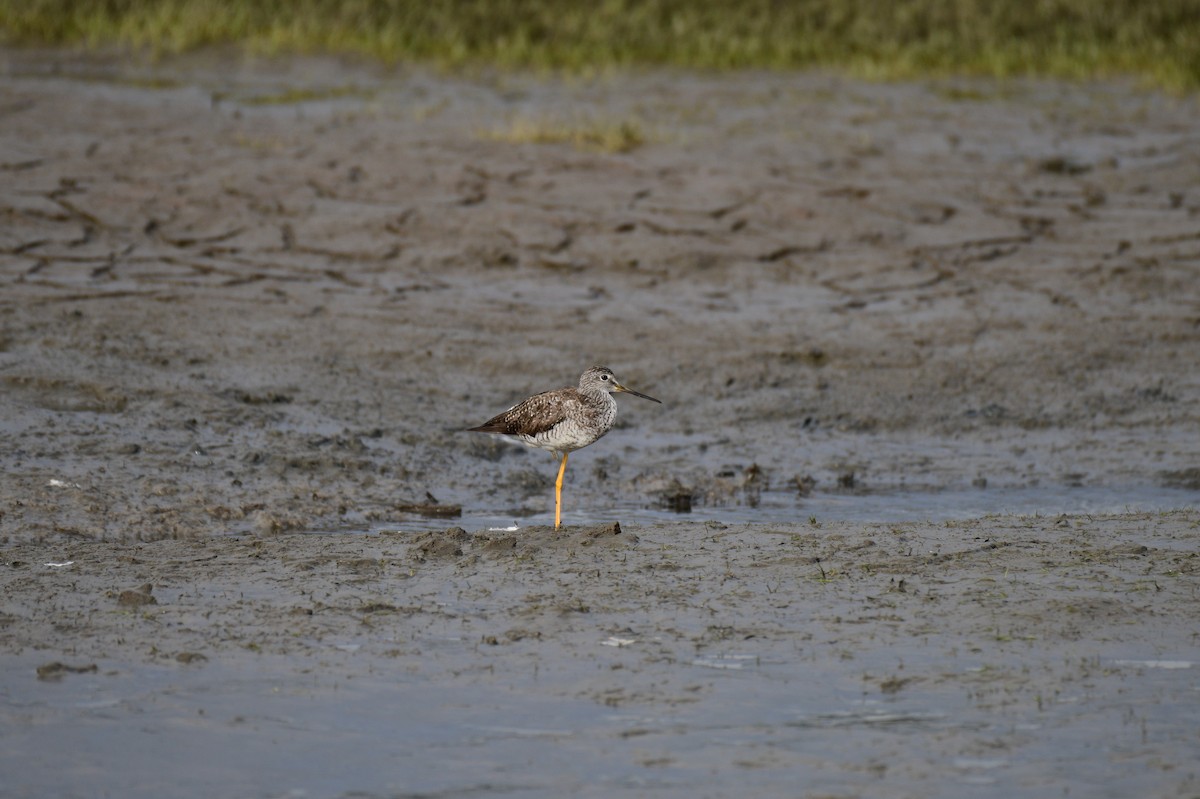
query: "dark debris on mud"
456, 542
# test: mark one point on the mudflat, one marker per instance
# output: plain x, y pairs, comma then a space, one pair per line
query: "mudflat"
246, 310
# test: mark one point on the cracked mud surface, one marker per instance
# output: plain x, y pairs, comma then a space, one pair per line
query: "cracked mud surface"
226, 313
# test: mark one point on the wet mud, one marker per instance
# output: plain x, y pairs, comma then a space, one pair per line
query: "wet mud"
242, 328
994, 657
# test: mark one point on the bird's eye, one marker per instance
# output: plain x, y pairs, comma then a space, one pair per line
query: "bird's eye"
603, 377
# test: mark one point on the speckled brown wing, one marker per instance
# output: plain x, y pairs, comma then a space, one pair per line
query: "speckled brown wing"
530, 417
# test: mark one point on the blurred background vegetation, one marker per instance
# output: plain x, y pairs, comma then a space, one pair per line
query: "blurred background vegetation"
1157, 41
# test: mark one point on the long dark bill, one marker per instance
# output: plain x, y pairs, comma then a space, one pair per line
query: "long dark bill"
637, 394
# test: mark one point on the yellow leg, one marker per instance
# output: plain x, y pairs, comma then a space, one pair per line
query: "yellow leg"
558, 492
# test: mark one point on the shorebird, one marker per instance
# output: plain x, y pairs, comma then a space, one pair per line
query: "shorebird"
564, 420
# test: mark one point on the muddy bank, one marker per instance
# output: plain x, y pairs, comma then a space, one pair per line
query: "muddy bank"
999, 657
264, 297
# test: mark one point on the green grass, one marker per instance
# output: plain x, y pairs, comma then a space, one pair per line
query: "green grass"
1156, 40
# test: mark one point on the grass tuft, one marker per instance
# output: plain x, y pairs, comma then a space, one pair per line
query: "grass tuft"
609, 136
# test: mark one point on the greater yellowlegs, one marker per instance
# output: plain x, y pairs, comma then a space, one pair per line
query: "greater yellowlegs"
563, 421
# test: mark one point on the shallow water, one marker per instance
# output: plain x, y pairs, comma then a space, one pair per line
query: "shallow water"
753, 719
883, 506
